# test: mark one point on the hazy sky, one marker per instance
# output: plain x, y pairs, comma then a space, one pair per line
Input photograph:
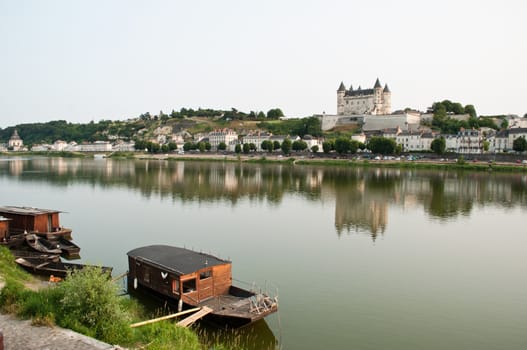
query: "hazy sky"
92, 60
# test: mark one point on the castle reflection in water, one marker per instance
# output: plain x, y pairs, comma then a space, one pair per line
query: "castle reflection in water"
362, 197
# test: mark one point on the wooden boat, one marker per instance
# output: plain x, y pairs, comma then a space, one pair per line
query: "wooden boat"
43, 222
32, 254
38, 244
66, 246
47, 268
197, 280
13, 241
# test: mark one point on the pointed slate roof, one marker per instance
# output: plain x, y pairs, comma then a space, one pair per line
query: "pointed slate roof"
386, 88
342, 87
377, 84
351, 88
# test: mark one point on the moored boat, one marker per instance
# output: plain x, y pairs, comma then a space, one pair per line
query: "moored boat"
43, 222
33, 254
40, 245
197, 280
66, 246
48, 268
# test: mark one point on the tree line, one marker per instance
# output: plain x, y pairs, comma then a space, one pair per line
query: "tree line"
445, 109
232, 114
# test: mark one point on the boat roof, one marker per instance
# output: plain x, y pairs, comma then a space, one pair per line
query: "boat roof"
179, 260
26, 210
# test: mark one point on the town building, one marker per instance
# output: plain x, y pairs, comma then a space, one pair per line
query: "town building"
15, 143
312, 141
469, 141
122, 146
227, 136
257, 138
503, 141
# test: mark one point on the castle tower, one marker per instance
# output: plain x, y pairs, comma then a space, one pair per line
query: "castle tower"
377, 102
340, 98
387, 100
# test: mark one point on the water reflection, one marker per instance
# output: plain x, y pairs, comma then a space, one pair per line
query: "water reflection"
362, 197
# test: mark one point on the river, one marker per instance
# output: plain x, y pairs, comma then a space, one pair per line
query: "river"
361, 258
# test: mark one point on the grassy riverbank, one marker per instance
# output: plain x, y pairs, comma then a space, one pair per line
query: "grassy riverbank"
421, 164
88, 302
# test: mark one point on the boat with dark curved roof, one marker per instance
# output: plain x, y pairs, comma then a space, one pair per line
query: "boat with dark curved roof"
197, 279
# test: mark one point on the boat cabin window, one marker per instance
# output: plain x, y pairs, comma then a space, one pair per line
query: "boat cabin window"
205, 274
189, 286
175, 286
146, 274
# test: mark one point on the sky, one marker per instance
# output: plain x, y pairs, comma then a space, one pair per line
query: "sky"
110, 59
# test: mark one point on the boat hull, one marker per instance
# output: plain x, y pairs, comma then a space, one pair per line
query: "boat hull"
46, 267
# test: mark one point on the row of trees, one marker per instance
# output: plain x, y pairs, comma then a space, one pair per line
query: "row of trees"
50, 132
154, 147
233, 114
442, 120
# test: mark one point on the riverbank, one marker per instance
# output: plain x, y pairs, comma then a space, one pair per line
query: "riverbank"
452, 164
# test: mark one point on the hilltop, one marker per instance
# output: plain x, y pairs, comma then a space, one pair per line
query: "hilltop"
146, 126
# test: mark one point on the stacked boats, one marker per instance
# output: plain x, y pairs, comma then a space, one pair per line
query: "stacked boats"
37, 240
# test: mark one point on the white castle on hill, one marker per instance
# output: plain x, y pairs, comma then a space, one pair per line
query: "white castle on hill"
376, 101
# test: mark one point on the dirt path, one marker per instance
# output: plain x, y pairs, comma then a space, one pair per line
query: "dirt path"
21, 335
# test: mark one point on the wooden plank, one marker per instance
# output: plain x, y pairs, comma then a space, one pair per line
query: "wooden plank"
193, 318
138, 324
123, 275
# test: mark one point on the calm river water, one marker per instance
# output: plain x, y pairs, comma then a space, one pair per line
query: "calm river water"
362, 258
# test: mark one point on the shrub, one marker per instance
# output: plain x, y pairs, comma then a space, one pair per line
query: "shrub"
90, 305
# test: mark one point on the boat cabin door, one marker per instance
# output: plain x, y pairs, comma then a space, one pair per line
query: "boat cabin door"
50, 223
206, 284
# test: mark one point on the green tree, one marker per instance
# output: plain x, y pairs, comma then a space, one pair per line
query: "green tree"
276, 145
265, 145
471, 110
172, 146
438, 145
246, 148
187, 146
342, 145
222, 146
299, 145
238, 148
457, 108
260, 115
519, 144
504, 124
286, 146
486, 146
208, 146
274, 113
252, 147
314, 148
382, 145
327, 146
201, 146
